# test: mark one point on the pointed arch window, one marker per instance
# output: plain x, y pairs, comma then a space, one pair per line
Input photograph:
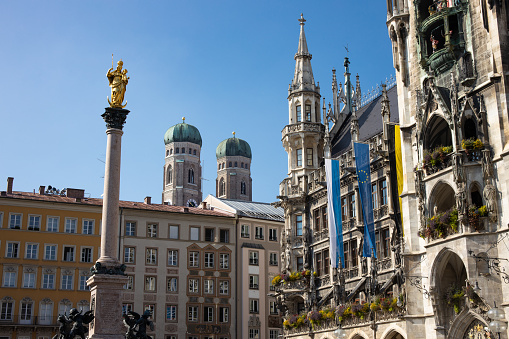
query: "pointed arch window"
190, 177
170, 174
167, 152
221, 187
243, 188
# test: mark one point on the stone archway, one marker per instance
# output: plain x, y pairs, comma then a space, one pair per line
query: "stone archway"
393, 332
442, 198
468, 325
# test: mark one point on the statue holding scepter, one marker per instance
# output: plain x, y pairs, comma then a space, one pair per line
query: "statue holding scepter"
118, 81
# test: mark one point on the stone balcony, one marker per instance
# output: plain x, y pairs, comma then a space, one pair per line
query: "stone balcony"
302, 127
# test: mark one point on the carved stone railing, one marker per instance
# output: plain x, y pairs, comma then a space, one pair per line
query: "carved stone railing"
300, 330
380, 316
472, 155
287, 189
302, 284
303, 127
384, 264
326, 325
381, 212
321, 235
351, 273
348, 224
323, 281
445, 163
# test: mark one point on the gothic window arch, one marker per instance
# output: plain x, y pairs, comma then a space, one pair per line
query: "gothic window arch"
241, 165
183, 151
167, 152
298, 112
171, 151
307, 111
243, 188
170, 174
194, 152
218, 167
235, 164
442, 198
190, 151
476, 195
469, 126
221, 187
437, 133
230, 164
177, 150
190, 176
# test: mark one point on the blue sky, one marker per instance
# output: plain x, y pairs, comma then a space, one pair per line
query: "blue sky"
224, 65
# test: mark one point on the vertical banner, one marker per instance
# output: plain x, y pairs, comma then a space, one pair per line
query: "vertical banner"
396, 166
334, 211
362, 164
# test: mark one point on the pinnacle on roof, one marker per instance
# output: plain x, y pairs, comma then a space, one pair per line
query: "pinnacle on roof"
303, 76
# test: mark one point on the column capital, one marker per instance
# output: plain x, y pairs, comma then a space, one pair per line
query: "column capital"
115, 117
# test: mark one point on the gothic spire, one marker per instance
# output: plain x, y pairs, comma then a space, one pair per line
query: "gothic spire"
303, 77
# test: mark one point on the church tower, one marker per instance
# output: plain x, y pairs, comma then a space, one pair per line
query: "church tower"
303, 136
182, 168
234, 170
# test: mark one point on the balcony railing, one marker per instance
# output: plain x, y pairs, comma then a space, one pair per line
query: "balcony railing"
300, 285
303, 127
15, 319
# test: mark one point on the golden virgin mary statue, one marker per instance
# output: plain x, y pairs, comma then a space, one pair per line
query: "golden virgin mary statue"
118, 81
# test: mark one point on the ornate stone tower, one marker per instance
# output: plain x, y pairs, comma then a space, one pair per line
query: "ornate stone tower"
234, 170
303, 141
182, 168
451, 60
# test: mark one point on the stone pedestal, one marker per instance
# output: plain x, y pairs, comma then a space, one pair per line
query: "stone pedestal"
106, 302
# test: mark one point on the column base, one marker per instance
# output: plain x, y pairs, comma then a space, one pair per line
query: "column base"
106, 301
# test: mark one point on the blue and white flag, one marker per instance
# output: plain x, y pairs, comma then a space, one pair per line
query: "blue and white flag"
362, 164
334, 212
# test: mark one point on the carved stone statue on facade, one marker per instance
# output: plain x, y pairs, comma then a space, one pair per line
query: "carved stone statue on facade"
118, 81
458, 171
487, 165
461, 199
490, 197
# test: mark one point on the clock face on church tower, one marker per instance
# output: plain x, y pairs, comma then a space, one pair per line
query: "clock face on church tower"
192, 203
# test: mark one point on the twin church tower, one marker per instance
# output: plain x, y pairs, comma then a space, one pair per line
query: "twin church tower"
183, 172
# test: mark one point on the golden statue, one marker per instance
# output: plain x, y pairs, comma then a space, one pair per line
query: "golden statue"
118, 81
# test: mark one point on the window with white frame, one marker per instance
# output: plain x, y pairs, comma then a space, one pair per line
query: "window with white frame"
254, 306
173, 257
193, 285
171, 312
172, 284
68, 253
45, 312
26, 310
259, 233
64, 306
273, 259
150, 284
67, 281
309, 157
273, 334
28, 279
208, 286
127, 307
194, 233
88, 226
152, 230
86, 254
130, 228
70, 225
129, 255
194, 259
48, 280
173, 232
254, 333
50, 252
151, 256
253, 258
15, 220
273, 307
10, 278
224, 287
299, 113
224, 236
31, 250
130, 283
299, 157
254, 280
192, 314
52, 224
244, 231
34, 222
151, 308
7, 309
224, 314
83, 283
224, 261
12, 250
208, 313
273, 234
209, 260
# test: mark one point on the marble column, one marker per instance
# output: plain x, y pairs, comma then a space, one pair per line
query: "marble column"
106, 284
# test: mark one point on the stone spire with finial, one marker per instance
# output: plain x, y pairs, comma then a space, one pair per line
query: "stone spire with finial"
303, 77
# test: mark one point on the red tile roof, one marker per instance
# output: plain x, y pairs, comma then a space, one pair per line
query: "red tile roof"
123, 204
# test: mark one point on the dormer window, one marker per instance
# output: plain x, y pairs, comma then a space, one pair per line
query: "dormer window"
299, 113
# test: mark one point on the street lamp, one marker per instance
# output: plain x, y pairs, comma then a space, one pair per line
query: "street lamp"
339, 333
498, 324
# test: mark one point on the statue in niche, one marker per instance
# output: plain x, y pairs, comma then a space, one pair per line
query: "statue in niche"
487, 165
490, 197
118, 81
458, 171
460, 199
